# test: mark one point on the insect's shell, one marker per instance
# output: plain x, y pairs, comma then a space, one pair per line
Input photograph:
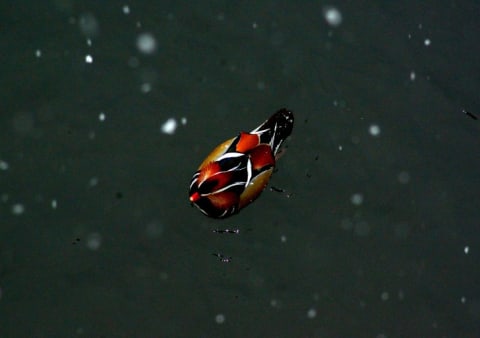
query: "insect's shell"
235, 173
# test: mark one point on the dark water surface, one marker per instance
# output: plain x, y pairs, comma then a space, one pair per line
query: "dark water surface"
377, 234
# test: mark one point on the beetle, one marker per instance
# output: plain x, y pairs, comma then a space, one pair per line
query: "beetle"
236, 172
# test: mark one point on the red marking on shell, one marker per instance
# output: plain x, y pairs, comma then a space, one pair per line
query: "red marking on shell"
195, 197
262, 156
224, 200
207, 171
246, 142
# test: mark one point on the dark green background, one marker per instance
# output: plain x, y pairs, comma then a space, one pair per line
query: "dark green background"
395, 266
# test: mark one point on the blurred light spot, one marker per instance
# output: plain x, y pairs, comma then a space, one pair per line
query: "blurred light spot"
356, 199
384, 296
340, 148
126, 9
311, 313
89, 42
403, 177
220, 318
412, 76
23, 123
466, 250
18, 209
374, 130
102, 117
3, 165
145, 88
362, 229
38, 53
283, 239
463, 300
183, 121
254, 25
169, 126
427, 42
54, 204
88, 25
274, 303
88, 58
332, 16
146, 43
94, 241
93, 181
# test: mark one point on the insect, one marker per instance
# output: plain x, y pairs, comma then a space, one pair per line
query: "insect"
235, 173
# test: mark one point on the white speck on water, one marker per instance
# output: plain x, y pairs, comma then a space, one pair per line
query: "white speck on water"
340, 147
283, 239
93, 182
311, 313
384, 296
89, 42
412, 76
4, 165
126, 9
94, 241
88, 58
332, 16
18, 209
420, 26
146, 43
54, 204
273, 302
463, 300
254, 25
356, 199
427, 42
38, 53
183, 121
102, 117
146, 88
466, 250
220, 318
374, 130
403, 177
169, 126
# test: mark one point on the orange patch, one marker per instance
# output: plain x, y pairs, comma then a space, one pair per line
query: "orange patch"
223, 200
247, 142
